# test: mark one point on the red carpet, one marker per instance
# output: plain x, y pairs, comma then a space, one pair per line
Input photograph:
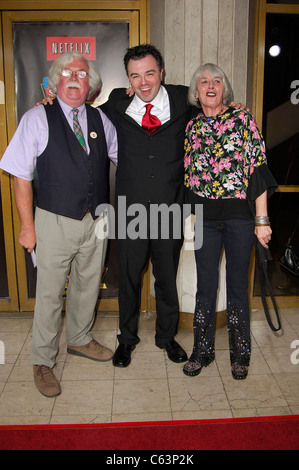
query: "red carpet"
271, 433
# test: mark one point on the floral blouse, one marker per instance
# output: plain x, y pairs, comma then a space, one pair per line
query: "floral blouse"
225, 165
221, 153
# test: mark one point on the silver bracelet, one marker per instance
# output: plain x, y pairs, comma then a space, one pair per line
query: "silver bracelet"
262, 220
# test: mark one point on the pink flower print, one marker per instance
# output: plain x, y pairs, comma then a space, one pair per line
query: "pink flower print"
196, 142
252, 124
242, 116
206, 176
209, 141
216, 125
191, 181
196, 145
230, 124
194, 181
227, 163
238, 156
187, 161
221, 129
256, 135
217, 167
240, 195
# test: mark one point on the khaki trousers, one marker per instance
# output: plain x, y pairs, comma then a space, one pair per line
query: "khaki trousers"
65, 247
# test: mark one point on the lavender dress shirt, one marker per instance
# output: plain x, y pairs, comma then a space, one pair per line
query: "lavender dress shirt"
31, 139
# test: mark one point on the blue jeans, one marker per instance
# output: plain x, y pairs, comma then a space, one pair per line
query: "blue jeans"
237, 237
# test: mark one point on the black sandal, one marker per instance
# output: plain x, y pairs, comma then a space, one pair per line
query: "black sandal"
239, 372
192, 367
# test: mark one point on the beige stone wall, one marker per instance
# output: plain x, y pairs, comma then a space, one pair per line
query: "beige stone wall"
192, 32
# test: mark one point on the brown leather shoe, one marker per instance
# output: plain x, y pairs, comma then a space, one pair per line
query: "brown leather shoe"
92, 350
46, 382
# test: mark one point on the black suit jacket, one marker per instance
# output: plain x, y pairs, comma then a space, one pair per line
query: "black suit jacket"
150, 167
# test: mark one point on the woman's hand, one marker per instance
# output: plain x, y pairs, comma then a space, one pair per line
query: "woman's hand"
263, 234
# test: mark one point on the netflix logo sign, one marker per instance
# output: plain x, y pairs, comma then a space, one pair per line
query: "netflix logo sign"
59, 45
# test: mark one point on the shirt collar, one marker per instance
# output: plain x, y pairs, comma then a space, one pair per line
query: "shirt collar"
68, 110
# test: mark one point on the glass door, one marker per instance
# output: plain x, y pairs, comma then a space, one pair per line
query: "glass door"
277, 108
8, 280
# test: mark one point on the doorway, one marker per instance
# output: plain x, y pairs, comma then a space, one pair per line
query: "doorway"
277, 111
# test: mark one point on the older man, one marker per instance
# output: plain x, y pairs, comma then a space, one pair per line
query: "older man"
65, 148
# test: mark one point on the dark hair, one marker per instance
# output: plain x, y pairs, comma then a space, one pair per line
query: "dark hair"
139, 52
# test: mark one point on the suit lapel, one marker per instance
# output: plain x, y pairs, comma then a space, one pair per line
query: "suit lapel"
122, 106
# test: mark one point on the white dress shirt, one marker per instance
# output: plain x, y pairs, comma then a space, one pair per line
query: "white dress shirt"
161, 107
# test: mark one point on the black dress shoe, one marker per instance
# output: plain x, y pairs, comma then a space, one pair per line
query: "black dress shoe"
175, 352
122, 355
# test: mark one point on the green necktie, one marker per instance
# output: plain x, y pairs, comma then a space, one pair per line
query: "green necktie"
77, 129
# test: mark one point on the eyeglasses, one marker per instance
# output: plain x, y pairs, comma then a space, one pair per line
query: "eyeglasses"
67, 73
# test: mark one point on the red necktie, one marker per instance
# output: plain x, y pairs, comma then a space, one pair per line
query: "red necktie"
149, 122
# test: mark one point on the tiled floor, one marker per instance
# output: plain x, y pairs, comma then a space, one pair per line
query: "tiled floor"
152, 388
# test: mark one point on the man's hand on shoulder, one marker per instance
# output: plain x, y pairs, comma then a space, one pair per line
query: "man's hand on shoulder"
49, 99
130, 91
239, 106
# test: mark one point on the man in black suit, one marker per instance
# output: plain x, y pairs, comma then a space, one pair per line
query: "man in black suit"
150, 173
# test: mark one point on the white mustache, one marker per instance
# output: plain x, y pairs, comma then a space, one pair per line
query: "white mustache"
73, 85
